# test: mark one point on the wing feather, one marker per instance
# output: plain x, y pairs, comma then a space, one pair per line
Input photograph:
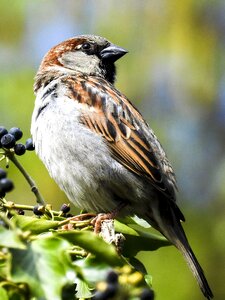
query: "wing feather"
132, 143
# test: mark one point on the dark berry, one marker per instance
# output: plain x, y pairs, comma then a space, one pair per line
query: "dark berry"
20, 212
2, 173
3, 131
2, 194
8, 141
29, 144
108, 293
147, 294
6, 185
16, 132
19, 149
65, 208
112, 277
37, 211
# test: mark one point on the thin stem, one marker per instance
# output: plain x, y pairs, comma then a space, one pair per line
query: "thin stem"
3, 157
82, 253
28, 178
64, 222
11, 205
8, 283
81, 223
6, 220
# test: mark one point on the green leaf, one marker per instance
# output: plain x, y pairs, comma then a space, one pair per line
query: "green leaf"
16, 294
124, 229
34, 224
3, 294
10, 239
140, 222
44, 266
93, 269
82, 289
135, 220
93, 244
139, 240
148, 280
138, 265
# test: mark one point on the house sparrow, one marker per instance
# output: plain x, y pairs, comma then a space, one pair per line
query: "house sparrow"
97, 146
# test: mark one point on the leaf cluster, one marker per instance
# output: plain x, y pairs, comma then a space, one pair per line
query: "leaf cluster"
52, 255
39, 259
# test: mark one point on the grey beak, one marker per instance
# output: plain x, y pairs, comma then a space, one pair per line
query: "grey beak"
112, 53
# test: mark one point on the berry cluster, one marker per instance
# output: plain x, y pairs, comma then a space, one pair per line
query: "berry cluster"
6, 185
113, 288
8, 140
39, 210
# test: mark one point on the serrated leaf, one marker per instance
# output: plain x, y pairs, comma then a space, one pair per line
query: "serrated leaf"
44, 266
10, 239
93, 244
34, 224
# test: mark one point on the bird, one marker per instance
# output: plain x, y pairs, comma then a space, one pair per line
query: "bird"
98, 147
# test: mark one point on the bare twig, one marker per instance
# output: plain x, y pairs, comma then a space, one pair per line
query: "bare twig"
34, 189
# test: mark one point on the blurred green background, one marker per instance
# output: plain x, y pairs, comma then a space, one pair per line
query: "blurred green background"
174, 73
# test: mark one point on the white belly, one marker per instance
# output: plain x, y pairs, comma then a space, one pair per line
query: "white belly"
78, 159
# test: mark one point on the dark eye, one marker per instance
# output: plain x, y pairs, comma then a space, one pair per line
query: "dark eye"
86, 46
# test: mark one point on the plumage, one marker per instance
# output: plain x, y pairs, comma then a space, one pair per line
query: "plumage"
97, 146
129, 145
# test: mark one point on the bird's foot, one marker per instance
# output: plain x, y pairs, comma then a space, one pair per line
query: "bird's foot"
97, 221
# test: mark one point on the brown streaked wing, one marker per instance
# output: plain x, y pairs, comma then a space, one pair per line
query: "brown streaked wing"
107, 112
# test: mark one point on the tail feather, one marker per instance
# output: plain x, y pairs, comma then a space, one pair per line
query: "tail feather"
166, 219
194, 265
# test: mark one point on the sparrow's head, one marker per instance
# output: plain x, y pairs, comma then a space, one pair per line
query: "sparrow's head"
84, 54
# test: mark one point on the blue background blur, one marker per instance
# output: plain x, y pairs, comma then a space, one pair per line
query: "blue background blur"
174, 73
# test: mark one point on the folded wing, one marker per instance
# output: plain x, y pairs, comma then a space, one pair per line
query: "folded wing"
107, 112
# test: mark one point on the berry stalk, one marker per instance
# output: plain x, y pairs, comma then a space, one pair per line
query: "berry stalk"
34, 189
